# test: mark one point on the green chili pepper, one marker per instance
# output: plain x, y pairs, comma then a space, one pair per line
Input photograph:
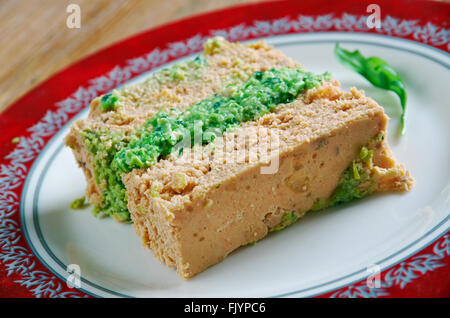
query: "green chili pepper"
376, 71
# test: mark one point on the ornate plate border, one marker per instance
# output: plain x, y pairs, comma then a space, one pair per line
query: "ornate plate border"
22, 267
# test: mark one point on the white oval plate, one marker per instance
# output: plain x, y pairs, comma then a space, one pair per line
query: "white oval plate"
321, 252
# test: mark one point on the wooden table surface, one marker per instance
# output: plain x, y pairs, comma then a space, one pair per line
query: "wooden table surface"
36, 43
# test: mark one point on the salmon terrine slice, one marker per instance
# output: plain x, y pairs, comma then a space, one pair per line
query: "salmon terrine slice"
216, 152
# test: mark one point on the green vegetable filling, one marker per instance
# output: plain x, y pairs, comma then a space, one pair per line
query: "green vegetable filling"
365, 154
354, 183
181, 71
259, 95
114, 153
287, 219
109, 102
103, 145
79, 203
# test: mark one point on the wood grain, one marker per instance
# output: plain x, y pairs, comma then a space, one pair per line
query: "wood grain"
36, 42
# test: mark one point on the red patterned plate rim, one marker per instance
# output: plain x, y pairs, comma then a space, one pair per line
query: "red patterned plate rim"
53, 103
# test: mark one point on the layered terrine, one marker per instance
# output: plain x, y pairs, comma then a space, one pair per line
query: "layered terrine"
214, 153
